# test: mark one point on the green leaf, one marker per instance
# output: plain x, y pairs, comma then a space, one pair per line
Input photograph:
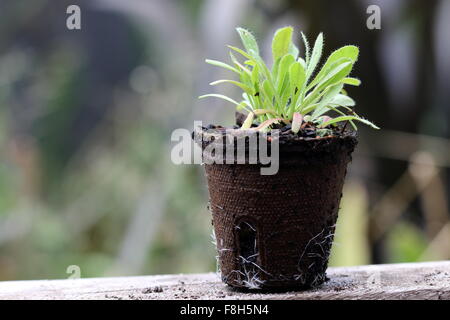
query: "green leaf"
249, 41
349, 53
275, 68
327, 98
236, 83
246, 78
220, 96
355, 118
263, 67
343, 100
285, 64
324, 73
331, 107
336, 109
268, 89
307, 50
250, 99
242, 52
222, 65
281, 42
243, 106
297, 76
257, 59
255, 76
247, 99
294, 86
315, 55
351, 81
250, 62
302, 62
330, 79
239, 65
268, 92
335, 75
293, 50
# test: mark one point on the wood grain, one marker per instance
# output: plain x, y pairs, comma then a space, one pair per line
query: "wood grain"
430, 280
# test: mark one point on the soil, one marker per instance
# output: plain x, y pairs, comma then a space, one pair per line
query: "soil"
276, 231
307, 137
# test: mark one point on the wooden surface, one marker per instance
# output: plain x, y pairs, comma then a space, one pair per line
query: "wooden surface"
430, 280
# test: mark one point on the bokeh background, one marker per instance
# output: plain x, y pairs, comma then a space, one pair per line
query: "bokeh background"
86, 118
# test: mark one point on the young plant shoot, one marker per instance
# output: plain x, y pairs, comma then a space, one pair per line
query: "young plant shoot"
295, 90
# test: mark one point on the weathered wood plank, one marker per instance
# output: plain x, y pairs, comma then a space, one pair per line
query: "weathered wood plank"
430, 280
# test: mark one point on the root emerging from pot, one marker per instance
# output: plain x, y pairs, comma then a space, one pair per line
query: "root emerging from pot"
252, 276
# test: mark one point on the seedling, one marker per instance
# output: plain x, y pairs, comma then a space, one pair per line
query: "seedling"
293, 91
277, 231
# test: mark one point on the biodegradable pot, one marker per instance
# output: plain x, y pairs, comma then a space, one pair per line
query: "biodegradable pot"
276, 231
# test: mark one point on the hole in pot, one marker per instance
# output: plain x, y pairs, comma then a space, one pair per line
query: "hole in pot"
247, 242
248, 247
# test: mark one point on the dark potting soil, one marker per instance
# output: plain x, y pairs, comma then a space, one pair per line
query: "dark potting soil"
308, 130
306, 143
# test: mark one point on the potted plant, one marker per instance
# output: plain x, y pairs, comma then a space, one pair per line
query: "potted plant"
276, 231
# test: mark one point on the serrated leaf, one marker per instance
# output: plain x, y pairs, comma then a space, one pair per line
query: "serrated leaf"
281, 42
319, 78
330, 79
287, 90
307, 50
347, 52
257, 59
315, 55
339, 72
249, 41
326, 99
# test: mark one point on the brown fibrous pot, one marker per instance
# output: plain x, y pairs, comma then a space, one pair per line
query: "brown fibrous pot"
276, 231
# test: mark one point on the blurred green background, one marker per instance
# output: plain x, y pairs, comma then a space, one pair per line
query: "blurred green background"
86, 117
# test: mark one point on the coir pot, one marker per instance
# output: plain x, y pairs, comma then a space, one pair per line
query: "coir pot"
276, 231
